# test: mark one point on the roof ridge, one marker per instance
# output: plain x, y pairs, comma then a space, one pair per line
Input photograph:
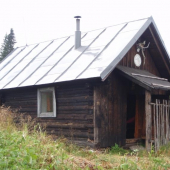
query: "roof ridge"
86, 31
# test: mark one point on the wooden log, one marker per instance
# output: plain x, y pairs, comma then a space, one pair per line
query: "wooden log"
75, 99
83, 130
82, 107
71, 133
48, 121
148, 119
75, 116
68, 125
77, 112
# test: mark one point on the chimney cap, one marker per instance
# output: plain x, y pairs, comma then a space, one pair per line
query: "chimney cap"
77, 17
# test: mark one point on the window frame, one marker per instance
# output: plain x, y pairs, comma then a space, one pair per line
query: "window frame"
46, 114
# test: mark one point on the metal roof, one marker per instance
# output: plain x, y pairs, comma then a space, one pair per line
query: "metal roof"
144, 78
57, 60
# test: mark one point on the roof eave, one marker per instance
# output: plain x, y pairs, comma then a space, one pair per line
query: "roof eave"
114, 63
159, 35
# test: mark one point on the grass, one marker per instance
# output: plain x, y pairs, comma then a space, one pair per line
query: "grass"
25, 146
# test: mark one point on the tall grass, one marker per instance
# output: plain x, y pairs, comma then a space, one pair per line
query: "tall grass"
22, 148
24, 145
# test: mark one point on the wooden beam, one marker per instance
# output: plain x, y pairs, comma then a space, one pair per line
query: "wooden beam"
160, 51
136, 81
148, 120
160, 85
140, 75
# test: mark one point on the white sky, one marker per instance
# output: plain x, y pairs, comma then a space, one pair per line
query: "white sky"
40, 20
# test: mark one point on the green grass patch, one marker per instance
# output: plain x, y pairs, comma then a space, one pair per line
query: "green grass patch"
25, 146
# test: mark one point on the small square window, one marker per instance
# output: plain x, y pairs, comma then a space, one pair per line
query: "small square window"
46, 102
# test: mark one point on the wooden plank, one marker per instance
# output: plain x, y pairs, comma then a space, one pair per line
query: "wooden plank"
148, 120
168, 110
159, 124
164, 138
166, 121
157, 131
141, 75
149, 63
154, 124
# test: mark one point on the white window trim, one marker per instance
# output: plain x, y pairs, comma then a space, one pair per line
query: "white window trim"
47, 114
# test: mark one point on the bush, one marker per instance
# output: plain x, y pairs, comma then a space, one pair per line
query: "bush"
117, 150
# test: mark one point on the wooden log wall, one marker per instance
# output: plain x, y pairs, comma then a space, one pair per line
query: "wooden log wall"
110, 112
74, 102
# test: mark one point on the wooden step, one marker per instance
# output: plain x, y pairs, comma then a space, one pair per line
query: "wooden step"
133, 140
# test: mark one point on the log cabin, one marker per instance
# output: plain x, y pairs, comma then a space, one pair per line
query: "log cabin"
95, 88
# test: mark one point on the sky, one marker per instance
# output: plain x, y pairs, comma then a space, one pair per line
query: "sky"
36, 21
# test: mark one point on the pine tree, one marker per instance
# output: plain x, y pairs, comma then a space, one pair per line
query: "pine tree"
4, 51
11, 40
8, 44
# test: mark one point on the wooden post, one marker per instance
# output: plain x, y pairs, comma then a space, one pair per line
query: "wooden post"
166, 119
154, 120
159, 123
148, 120
157, 126
163, 123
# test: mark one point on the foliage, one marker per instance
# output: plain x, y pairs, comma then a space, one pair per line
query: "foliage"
23, 145
117, 150
8, 44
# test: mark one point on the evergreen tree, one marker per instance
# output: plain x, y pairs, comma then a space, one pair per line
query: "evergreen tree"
4, 51
8, 44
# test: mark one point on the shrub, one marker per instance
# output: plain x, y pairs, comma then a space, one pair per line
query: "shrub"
117, 150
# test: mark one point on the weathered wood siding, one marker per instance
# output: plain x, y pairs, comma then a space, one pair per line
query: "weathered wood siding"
110, 103
74, 109
110, 111
149, 65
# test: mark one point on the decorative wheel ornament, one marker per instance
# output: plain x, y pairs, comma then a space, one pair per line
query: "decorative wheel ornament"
137, 60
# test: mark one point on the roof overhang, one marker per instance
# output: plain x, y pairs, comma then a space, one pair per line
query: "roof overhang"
144, 78
114, 63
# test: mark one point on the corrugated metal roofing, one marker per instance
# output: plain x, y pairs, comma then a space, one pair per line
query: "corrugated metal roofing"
57, 60
144, 78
